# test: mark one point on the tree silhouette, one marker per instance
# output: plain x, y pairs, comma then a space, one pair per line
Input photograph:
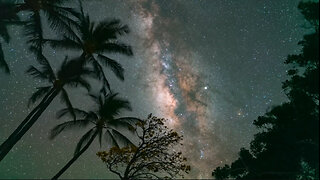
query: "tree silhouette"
105, 123
71, 73
7, 16
57, 16
154, 156
93, 40
288, 144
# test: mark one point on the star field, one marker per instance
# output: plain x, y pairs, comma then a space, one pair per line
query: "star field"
211, 67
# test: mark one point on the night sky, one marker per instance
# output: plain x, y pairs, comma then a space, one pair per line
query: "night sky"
210, 66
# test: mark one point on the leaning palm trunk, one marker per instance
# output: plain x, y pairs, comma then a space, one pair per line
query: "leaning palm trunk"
27, 123
75, 157
18, 129
24, 122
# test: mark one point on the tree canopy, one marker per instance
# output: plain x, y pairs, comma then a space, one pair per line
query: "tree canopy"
287, 146
154, 157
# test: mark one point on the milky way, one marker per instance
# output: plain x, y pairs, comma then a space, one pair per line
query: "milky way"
209, 66
175, 88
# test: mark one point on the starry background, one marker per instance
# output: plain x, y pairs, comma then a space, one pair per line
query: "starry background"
210, 66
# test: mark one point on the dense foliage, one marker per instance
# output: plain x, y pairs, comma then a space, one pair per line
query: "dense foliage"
287, 145
154, 156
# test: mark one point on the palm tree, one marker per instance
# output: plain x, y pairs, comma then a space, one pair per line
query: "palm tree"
56, 14
93, 40
71, 73
7, 16
104, 121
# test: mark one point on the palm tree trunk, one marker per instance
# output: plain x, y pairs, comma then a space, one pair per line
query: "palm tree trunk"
17, 130
27, 123
75, 157
24, 122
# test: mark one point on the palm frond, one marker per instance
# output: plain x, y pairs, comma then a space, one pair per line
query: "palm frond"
84, 83
91, 26
131, 120
85, 27
100, 133
127, 122
33, 30
63, 10
95, 98
109, 30
86, 72
69, 125
121, 138
81, 7
85, 139
36, 73
60, 21
65, 111
110, 139
37, 51
70, 71
80, 82
66, 100
100, 73
66, 43
3, 63
113, 106
41, 91
113, 65
115, 47
84, 22
92, 116
7, 16
104, 92
45, 65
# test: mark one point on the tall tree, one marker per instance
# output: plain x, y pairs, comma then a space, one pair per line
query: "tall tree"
57, 15
104, 121
71, 73
153, 158
288, 144
93, 41
7, 16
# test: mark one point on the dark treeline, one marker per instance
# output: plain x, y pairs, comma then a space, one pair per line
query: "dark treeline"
287, 146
